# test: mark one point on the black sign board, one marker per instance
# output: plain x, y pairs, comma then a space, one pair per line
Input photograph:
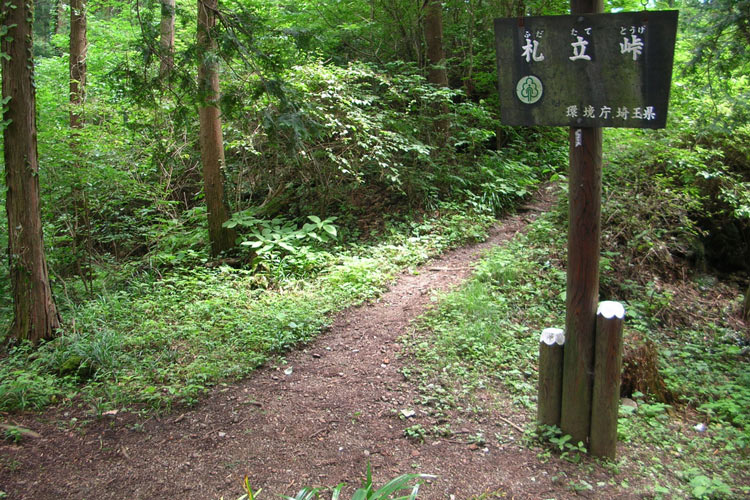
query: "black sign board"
586, 70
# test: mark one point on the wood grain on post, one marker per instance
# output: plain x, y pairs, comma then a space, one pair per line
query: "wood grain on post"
585, 183
607, 375
550, 376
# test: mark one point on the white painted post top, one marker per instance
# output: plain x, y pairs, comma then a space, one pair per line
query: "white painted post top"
552, 336
610, 309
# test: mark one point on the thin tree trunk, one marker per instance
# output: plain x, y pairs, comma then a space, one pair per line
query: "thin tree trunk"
59, 17
437, 75
433, 31
166, 39
77, 66
211, 139
77, 62
35, 316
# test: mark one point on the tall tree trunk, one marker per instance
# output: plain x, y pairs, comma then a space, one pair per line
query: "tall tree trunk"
211, 139
60, 17
77, 62
35, 316
433, 32
166, 39
81, 232
437, 75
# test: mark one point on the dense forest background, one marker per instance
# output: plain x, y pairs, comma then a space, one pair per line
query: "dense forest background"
351, 134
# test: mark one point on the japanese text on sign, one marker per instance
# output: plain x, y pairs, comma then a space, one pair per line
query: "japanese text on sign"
591, 70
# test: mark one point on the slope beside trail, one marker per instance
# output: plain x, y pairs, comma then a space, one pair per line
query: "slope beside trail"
317, 420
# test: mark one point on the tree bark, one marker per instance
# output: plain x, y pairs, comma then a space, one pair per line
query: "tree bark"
211, 139
437, 74
166, 39
77, 62
60, 17
35, 316
433, 32
77, 66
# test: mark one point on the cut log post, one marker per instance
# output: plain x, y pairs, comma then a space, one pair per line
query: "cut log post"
607, 374
549, 398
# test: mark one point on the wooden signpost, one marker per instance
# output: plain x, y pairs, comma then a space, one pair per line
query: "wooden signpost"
586, 70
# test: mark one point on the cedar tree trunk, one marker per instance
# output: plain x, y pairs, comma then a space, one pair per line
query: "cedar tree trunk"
35, 316
211, 139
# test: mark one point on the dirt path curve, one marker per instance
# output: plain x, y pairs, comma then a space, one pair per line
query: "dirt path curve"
318, 425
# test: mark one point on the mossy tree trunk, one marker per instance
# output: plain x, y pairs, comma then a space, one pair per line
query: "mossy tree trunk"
211, 138
35, 316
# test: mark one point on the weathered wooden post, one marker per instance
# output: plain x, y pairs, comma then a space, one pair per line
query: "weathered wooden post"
585, 182
610, 317
550, 376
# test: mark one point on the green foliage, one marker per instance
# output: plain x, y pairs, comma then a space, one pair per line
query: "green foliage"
362, 131
415, 432
552, 435
389, 491
279, 236
705, 487
13, 435
24, 383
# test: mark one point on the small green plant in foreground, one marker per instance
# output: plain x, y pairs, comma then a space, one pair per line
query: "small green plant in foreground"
570, 451
392, 490
415, 433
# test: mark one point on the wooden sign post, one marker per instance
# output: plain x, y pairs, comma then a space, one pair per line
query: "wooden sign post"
582, 295
586, 70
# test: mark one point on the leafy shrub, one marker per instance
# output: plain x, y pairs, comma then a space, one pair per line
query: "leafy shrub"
22, 388
360, 131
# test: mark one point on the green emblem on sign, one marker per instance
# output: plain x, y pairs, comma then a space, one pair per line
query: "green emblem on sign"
529, 89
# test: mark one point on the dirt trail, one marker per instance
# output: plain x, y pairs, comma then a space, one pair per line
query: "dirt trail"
318, 425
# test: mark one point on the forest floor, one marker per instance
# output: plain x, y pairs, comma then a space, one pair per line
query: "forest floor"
317, 417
